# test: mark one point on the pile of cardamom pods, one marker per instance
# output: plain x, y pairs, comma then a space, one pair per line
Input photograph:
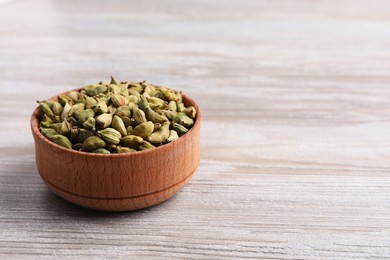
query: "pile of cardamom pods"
116, 117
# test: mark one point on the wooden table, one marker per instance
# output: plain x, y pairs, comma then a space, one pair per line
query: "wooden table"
295, 138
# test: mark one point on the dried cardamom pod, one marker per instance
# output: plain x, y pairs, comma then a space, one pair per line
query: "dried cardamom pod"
90, 124
83, 135
48, 132
118, 100
104, 120
144, 129
83, 115
181, 130
46, 121
93, 143
154, 116
100, 107
172, 106
101, 150
65, 111
132, 141
65, 128
123, 111
121, 149
110, 135
160, 135
145, 146
46, 109
138, 115
90, 102
190, 112
57, 108
183, 119
114, 81
117, 124
172, 136
61, 140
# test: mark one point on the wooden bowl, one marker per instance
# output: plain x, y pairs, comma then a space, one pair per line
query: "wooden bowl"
118, 182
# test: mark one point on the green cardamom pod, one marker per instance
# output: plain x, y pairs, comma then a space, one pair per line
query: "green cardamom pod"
56, 126
132, 99
127, 121
104, 120
93, 90
117, 124
181, 130
74, 134
57, 108
153, 116
157, 103
65, 111
123, 111
90, 102
114, 81
180, 107
160, 135
100, 107
76, 108
143, 103
74, 95
136, 87
61, 140
144, 129
115, 89
190, 112
133, 92
172, 136
121, 149
77, 146
83, 115
46, 121
167, 113
170, 95
110, 135
131, 141
46, 109
101, 150
183, 119
48, 132
65, 128
172, 106
90, 124
93, 143
145, 146
83, 135
138, 115
62, 99
118, 100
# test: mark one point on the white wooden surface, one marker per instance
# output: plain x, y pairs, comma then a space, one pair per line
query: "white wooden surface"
295, 136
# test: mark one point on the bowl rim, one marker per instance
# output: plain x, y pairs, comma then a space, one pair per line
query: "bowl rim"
34, 124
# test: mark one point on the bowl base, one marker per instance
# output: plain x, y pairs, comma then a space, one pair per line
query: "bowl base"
120, 204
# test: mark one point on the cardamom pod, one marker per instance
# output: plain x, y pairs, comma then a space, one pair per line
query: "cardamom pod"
181, 130
65, 128
46, 109
77, 146
114, 81
190, 111
110, 135
90, 124
90, 102
183, 119
154, 116
172, 136
136, 87
118, 100
46, 121
121, 149
144, 129
104, 120
146, 146
65, 111
48, 132
160, 135
83, 115
57, 108
93, 143
117, 124
101, 150
83, 135
172, 106
123, 111
138, 115
100, 107
132, 141
61, 140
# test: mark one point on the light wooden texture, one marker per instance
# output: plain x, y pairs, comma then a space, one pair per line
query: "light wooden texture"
295, 138
118, 182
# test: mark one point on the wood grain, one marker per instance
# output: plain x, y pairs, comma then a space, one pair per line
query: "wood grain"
295, 131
